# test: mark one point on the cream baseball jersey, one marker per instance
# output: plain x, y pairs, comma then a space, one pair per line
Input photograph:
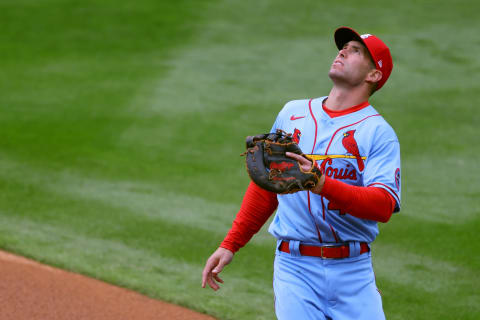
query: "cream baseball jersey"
359, 148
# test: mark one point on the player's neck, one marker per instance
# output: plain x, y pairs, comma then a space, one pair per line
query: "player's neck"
342, 98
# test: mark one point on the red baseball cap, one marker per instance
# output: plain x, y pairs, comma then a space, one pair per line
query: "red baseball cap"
378, 50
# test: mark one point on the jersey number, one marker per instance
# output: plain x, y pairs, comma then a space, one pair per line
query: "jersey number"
332, 206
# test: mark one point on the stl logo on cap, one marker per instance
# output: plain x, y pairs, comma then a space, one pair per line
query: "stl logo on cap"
365, 36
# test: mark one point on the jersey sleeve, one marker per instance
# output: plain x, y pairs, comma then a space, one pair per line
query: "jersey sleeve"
282, 116
382, 169
276, 125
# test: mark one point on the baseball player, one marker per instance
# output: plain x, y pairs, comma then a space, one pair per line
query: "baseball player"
323, 267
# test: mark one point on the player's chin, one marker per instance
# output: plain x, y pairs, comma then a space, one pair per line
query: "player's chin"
335, 74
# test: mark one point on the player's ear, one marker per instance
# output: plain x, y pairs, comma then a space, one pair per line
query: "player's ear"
373, 76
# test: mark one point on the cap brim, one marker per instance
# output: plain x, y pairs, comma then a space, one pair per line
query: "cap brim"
344, 34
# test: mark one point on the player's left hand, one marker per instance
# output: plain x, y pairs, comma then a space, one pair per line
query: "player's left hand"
305, 165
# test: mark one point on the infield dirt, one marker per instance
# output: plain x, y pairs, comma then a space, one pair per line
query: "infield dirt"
30, 290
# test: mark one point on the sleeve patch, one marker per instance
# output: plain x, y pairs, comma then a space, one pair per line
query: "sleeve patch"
397, 179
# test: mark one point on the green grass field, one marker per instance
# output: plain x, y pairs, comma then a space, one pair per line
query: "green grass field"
122, 123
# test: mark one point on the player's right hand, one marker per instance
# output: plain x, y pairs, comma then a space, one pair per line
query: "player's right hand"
306, 166
219, 259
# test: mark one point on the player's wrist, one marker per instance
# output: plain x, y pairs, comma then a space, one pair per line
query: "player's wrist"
227, 250
319, 186
315, 169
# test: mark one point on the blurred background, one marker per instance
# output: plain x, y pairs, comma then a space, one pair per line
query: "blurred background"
121, 125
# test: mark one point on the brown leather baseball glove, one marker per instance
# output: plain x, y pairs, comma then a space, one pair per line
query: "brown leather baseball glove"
271, 169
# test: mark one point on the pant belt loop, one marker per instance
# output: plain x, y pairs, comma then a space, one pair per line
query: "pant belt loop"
354, 247
294, 247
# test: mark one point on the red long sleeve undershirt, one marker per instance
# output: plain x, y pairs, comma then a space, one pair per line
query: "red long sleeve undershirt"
257, 206
370, 203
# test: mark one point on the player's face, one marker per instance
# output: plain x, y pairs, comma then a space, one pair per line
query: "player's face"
352, 64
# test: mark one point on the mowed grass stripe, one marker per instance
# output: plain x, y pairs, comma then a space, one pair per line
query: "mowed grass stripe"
408, 304
433, 195
48, 188
403, 266
73, 71
51, 201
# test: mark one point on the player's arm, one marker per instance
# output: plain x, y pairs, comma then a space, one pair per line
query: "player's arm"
370, 203
257, 206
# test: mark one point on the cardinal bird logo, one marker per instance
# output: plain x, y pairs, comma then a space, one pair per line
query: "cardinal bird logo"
351, 146
296, 136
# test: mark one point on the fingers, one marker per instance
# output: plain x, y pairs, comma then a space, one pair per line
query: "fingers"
219, 267
208, 278
215, 264
207, 272
293, 155
211, 277
304, 163
212, 282
217, 278
297, 157
210, 273
214, 276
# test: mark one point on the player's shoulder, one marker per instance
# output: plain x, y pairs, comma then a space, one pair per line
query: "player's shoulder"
296, 106
379, 126
293, 105
292, 110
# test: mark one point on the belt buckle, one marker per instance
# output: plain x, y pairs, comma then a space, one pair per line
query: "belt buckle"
333, 245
